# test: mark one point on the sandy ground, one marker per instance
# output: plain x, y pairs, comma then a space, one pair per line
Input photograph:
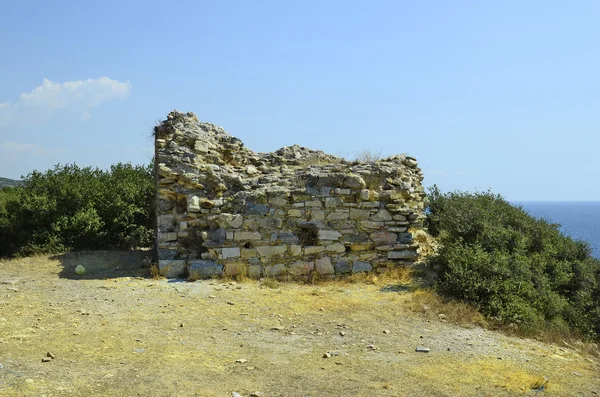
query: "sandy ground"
117, 332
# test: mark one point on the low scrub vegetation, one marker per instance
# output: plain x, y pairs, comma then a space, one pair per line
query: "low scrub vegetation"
516, 269
72, 208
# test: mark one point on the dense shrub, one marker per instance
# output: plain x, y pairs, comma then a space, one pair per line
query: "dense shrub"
511, 266
72, 208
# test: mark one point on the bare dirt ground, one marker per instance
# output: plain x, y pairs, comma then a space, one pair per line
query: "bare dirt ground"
116, 332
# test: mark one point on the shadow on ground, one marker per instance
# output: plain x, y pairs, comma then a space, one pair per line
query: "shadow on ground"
100, 265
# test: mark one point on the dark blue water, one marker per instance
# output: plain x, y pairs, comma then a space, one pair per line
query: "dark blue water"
578, 219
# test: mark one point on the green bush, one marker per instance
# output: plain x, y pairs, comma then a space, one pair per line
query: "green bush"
72, 208
511, 266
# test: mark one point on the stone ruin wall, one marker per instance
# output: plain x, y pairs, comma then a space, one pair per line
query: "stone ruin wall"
295, 213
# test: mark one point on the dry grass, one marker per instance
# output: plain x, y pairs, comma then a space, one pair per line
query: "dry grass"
115, 333
432, 306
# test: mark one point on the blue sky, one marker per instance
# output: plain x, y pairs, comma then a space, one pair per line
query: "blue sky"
501, 95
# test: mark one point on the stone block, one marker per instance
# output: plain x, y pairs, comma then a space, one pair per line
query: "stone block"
382, 237
369, 204
201, 269
343, 192
324, 266
333, 202
408, 254
295, 213
364, 194
227, 253
360, 214
340, 214
329, 235
167, 254
171, 268
313, 249
295, 250
275, 270
361, 247
371, 224
193, 204
354, 181
317, 215
244, 236
257, 209
278, 201
169, 236
235, 269
313, 203
248, 253
288, 238
382, 216
342, 267
166, 223
255, 271
336, 247
360, 266
300, 268
271, 250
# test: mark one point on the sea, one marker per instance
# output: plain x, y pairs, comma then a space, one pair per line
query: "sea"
578, 219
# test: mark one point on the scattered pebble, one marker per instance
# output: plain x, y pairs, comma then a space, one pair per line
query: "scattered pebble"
371, 347
241, 361
342, 333
386, 331
327, 355
422, 349
277, 328
576, 373
256, 394
211, 296
46, 359
250, 368
230, 303
50, 355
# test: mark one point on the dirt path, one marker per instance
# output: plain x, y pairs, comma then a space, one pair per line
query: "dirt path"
115, 333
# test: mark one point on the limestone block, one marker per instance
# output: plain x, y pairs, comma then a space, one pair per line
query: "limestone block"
193, 204
171, 268
278, 201
169, 236
227, 253
235, 269
337, 247
408, 254
382, 216
382, 237
257, 209
244, 236
339, 214
354, 181
166, 223
300, 268
342, 267
371, 224
364, 194
295, 250
254, 271
248, 253
329, 234
332, 202
201, 269
343, 192
271, 250
369, 204
360, 266
313, 249
317, 215
359, 214
313, 203
295, 213
275, 270
288, 238
324, 266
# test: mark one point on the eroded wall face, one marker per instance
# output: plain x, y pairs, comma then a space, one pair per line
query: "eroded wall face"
223, 209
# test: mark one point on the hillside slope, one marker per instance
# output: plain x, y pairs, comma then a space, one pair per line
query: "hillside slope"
6, 182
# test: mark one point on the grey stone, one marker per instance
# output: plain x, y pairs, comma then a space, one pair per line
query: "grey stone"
359, 266
408, 254
382, 216
288, 238
257, 209
254, 271
242, 236
171, 268
219, 236
271, 250
340, 214
324, 266
329, 235
382, 237
275, 270
166, 254
359, 214
201, 269
300, 268
166, 223
422, 349
233, 252
313, 249
342, 267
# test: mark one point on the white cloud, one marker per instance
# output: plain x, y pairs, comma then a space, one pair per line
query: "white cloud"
72, 97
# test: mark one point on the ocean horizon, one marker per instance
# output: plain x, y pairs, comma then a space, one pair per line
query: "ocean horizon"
577, 219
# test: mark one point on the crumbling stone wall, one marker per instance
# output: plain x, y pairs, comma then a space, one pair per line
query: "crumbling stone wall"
296, 212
